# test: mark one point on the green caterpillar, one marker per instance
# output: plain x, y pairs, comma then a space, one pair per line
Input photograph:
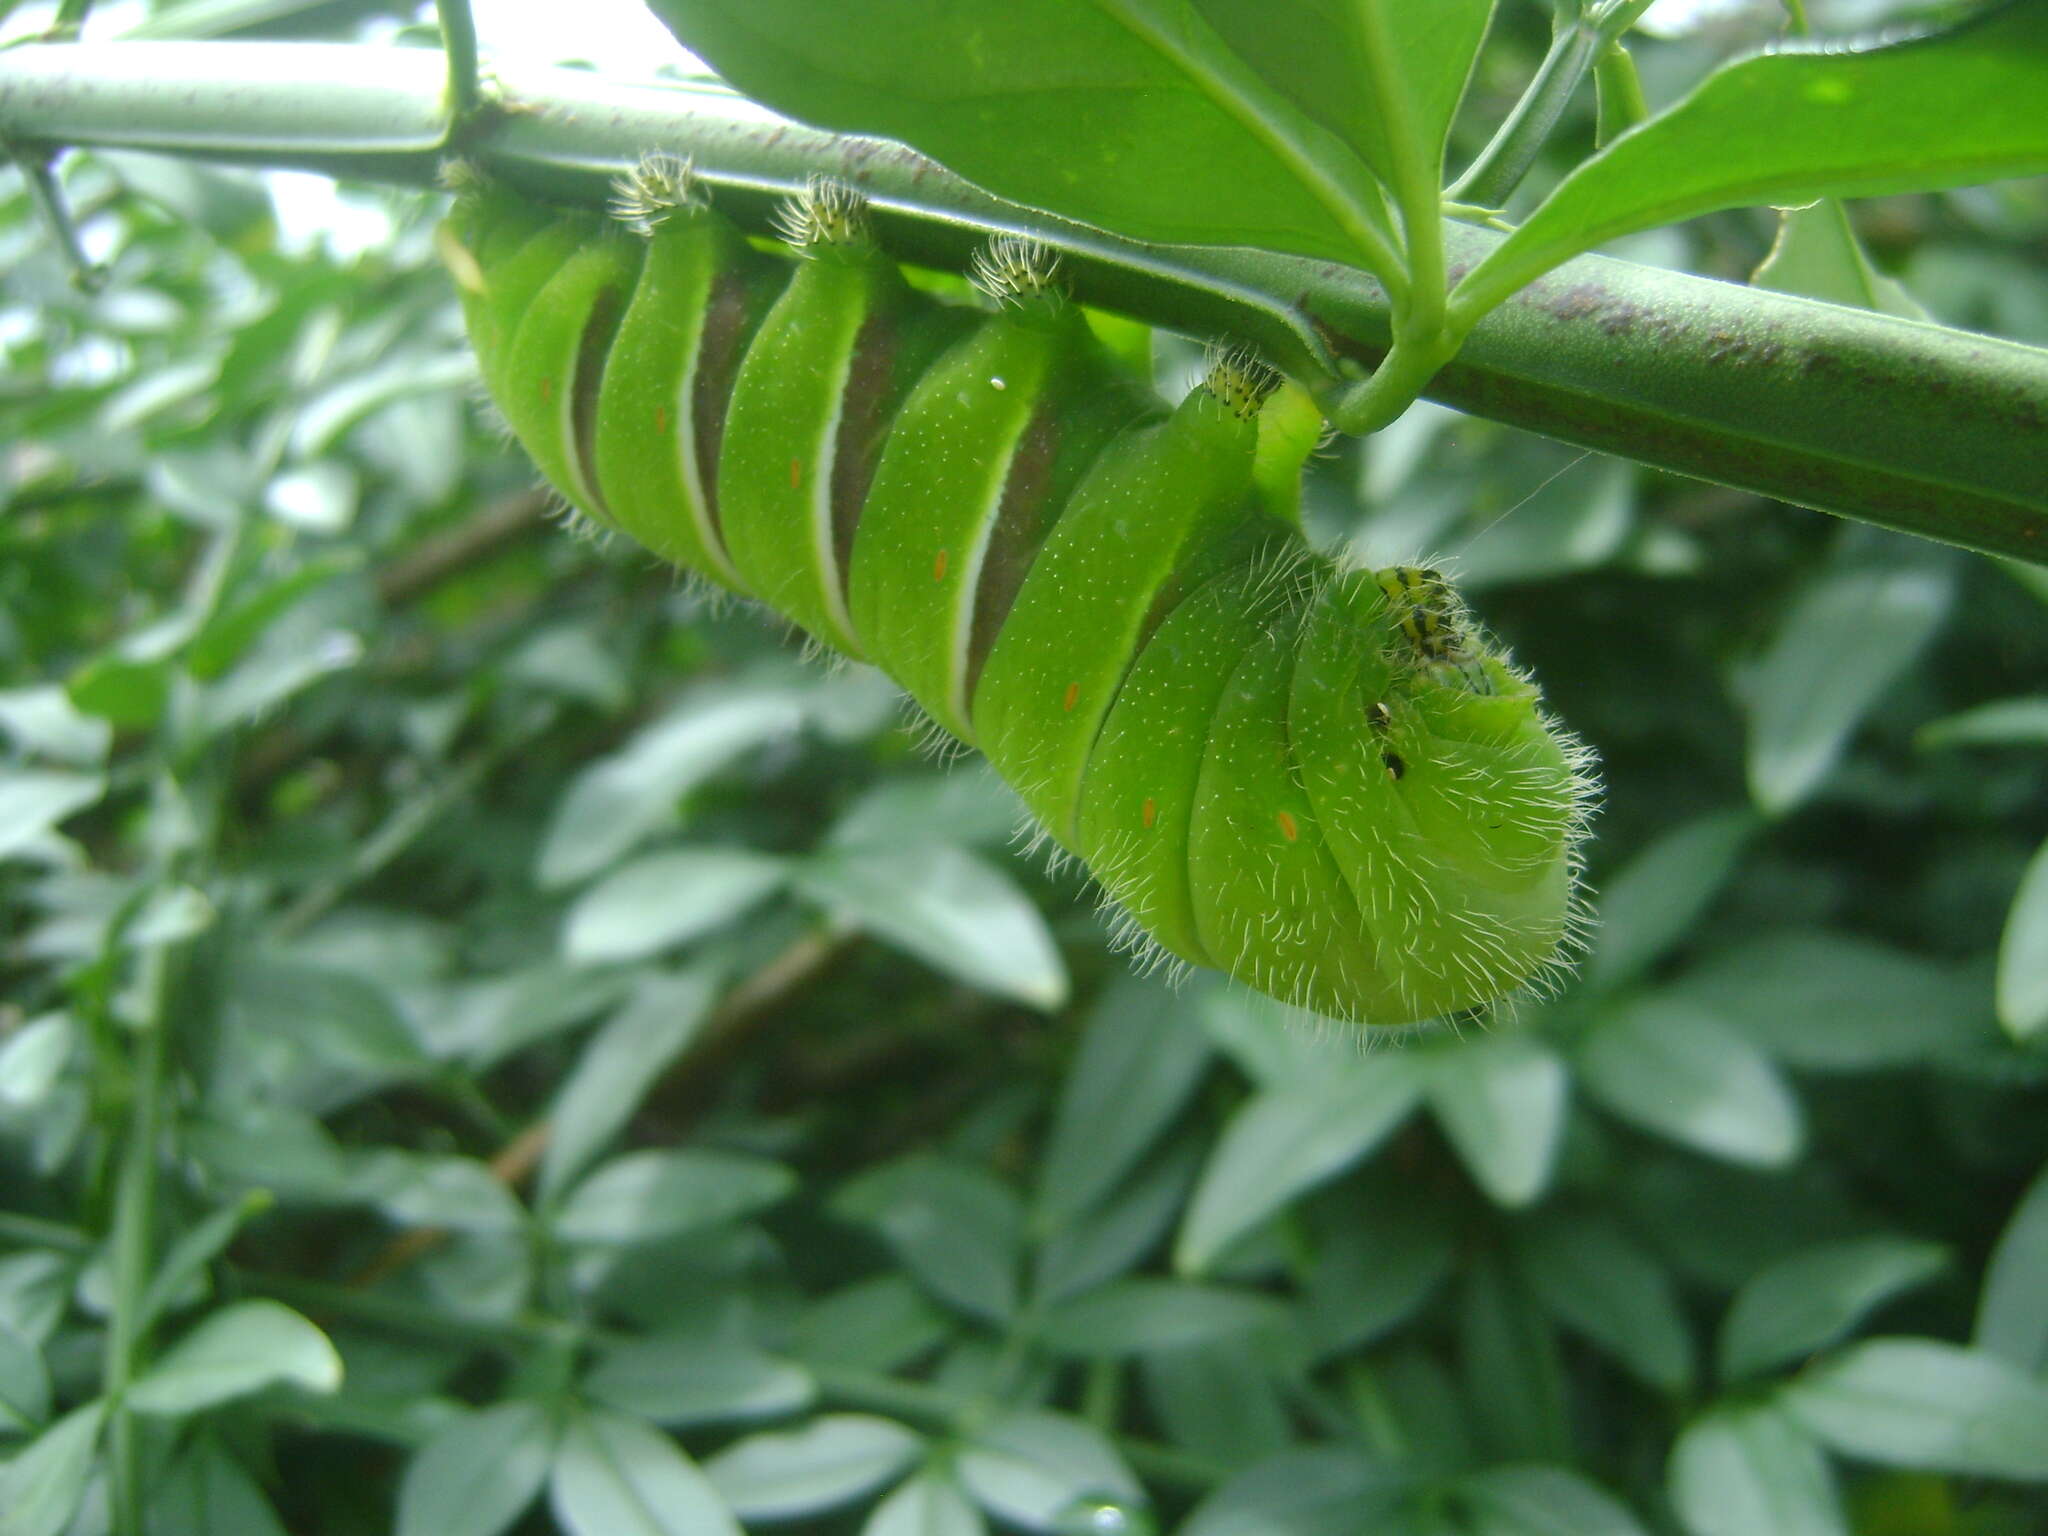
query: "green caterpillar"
1328, 783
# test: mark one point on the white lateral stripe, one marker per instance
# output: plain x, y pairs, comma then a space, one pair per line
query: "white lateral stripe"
965, 606
688, 464
824, 463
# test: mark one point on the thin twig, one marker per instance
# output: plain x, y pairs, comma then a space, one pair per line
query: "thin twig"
746, 1005
432, 561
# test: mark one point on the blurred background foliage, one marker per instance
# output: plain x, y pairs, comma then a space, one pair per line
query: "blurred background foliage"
579, 1066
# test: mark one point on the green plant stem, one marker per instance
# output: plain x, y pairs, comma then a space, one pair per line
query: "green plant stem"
1907, 425
1492, 178
1582, 36
47, 194
458, 41
70, 19
406, 823
1421, 342
132, 1250
35, 1232
954, 1411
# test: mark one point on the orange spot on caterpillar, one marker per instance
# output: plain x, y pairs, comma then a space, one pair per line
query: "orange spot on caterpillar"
796, 474
661, 419
1073, 697
939, 567
547, 390
1151, 810
1288, 829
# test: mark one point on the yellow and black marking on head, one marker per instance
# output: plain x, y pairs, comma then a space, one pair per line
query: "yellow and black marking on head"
1239, 381
659, 186
1434, 622
827, 213
1423, 609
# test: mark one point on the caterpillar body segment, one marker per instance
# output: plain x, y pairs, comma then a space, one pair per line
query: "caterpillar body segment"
1157, 505
667, 389
984, 447
1329, 784
1138, 800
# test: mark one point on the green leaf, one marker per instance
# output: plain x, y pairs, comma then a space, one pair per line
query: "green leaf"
1829, 1002
2001, 723
1288, 1140
879, 1324
478, 1475
1653, 902
1507, 1357
833, 1460
929, 1504
1115, 1236
663, 900
1501, 1102
1132, 1316
2023, 955
24, 1384
1805, 1302
1819, 256
2012, 1315
571, 662
615, 1476
197, 1246
32, 1057
1221, 1398
616, 1069
1740, 1471
1805, 121
1596, 1280
1106, 111
1923, 1403
957, 1229
1034, 1469
1381, 1255
1540, 1501
40, 1488
1276, 1046
1324, 1491
950, 908
43, 722
33, 801
681, 1379
240, 1349
292, 659
126, 692
1676, 1070
646, 1195
209, 1493
225, 637
459, 1193
1140, 1059
620, 801
347, 1021
1843, 640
